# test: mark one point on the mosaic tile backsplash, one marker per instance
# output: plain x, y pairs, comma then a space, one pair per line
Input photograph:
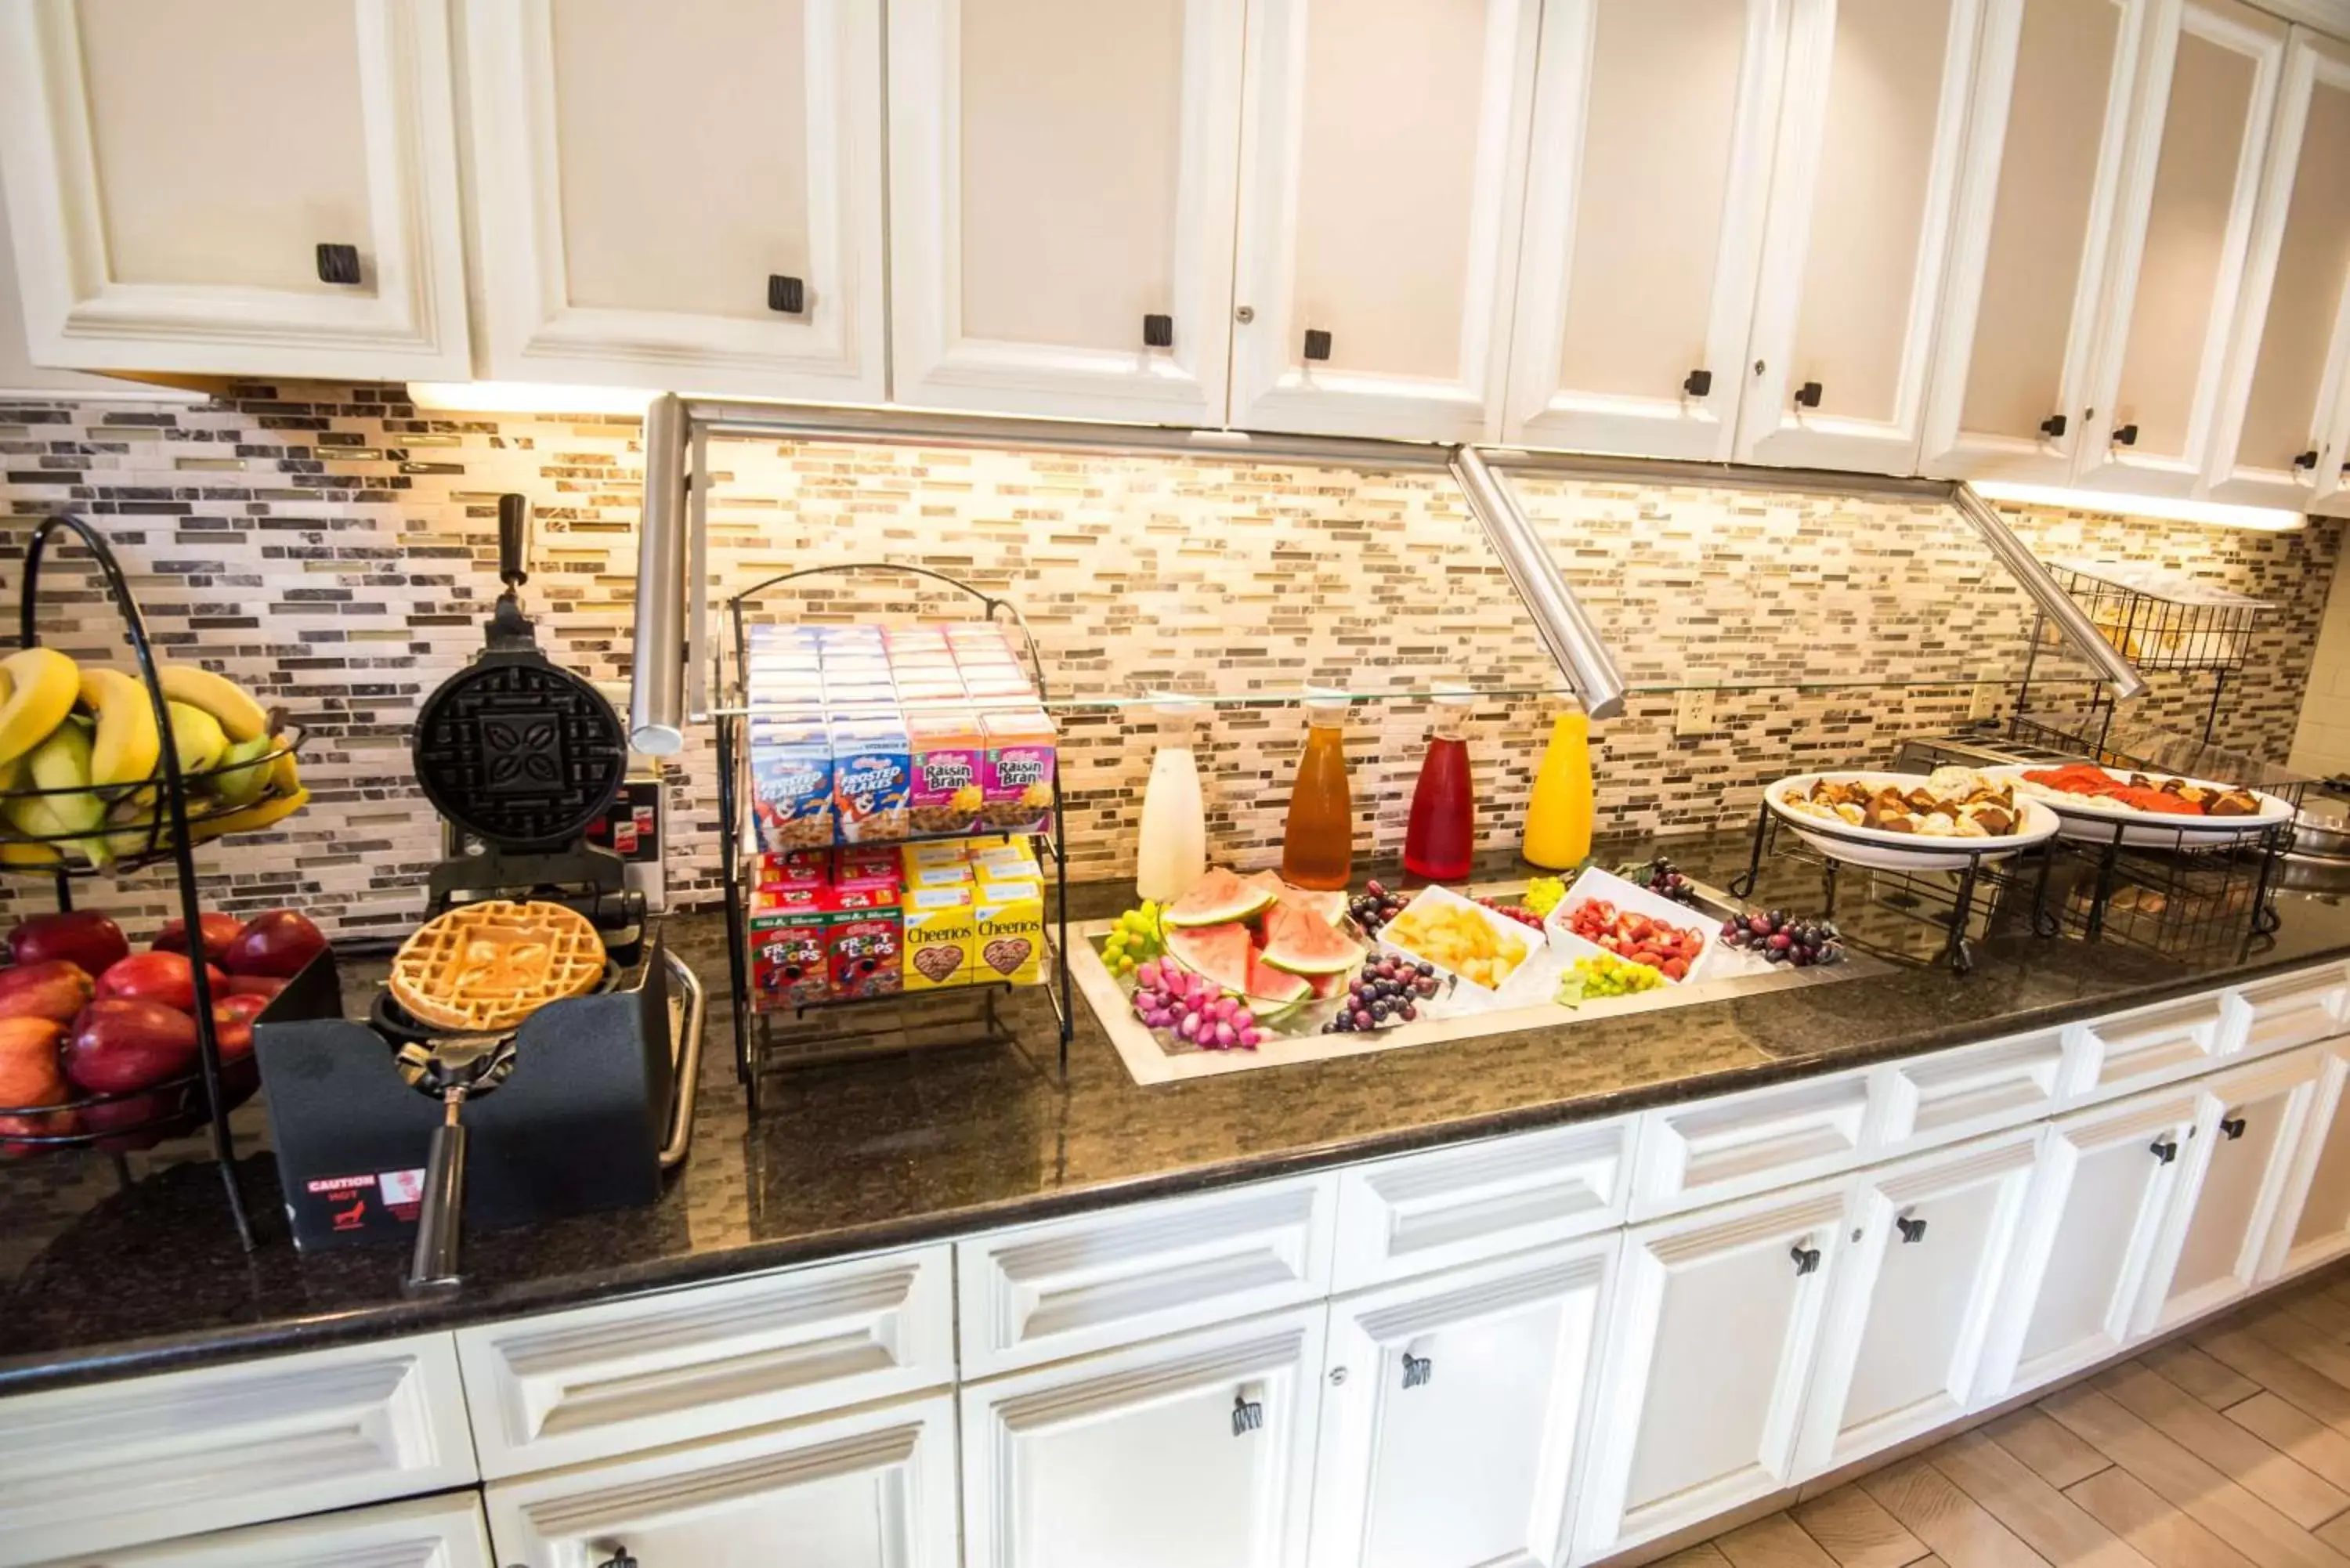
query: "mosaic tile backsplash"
335, 549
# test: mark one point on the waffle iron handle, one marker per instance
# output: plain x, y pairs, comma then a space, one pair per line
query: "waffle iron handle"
514, 539
433, 1265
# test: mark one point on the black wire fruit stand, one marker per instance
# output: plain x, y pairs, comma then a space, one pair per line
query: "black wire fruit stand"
177, 1105
2162, 623
836, 1028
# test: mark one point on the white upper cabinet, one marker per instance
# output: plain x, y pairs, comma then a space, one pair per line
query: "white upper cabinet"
2205, 99
1061, 198
2279, 440
1643, 223
1858, 231
256, 187
2028, 252
692, 202
1382, 172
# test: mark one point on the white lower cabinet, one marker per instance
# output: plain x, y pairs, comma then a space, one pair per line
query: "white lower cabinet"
2096, 1203
2213, 1245
1190, 1452
1451, 1410
1708, 1351
1902, 1349
871, 1490
444, 1531
2314, 1224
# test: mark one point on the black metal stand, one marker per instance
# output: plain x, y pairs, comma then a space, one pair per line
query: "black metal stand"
732, 756
172, 1098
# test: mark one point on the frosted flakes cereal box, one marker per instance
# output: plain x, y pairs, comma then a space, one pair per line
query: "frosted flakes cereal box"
792, 792
939, 947
1008, 924
871, 770
1017, 791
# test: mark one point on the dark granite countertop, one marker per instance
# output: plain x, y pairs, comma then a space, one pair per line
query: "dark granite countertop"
100, 1281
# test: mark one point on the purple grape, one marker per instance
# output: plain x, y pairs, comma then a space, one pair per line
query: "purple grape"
1362, 1019
1189, 1027
1251, 1039
1227, 1036
1243, 1020
1407, 1012
1146, 975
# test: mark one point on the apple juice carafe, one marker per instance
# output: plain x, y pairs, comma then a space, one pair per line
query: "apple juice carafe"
1317, 842
1441, 839
1171, 848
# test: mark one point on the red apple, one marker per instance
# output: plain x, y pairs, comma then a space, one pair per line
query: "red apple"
50, 1124
136, 1111
239, 1006
263, 986
275, 942
219, 930
166, 978
123, 1043
79, 936
54, 990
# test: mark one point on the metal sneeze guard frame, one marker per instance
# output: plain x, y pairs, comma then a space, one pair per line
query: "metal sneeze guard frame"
669, 686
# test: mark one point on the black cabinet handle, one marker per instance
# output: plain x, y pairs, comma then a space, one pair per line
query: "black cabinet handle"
338, 263
1417, 1370
1317, 344
1806, 1258
1248, 1415
788, 294
618, 1559
2127, 435
2053, 427
2306, 459
2164, 1149
1699, 384
1158, 331
1807, 395
1911, 1229
2233, 1127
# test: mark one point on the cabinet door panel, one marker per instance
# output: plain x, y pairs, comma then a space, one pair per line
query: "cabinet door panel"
1451, 1415
2098, 1195
607, 257
1060, 170
1709, 1349
1902, 1346
2314, 1222
2028, 249
2202, 130
444, 1531
2279, 443
1383, 166
152, 231
1192, 1452
875, 1489
1609, 335
2214, 1241
1859, 229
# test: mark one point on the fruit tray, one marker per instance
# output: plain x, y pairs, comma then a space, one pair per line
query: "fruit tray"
1636, 911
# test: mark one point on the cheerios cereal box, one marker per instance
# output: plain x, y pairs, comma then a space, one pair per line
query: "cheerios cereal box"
939, 944
1008, 924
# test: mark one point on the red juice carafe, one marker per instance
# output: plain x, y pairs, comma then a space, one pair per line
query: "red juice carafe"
1442, 837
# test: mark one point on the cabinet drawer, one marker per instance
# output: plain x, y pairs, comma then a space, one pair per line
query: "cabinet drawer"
1713, 1150
603, 1380
2139, 1050
1953, 1094
1069, 1286
2291, 1010
1424, 1211
87, 1469
423, 1533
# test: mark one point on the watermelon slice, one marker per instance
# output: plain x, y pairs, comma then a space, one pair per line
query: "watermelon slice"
1327, 986
1303, 942
1331, 906
1220, 952
1215, 899
1276, 987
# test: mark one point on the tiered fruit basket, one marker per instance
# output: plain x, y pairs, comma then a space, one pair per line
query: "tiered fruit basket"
49, 827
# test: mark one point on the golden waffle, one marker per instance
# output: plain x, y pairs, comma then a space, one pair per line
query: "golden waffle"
488, 965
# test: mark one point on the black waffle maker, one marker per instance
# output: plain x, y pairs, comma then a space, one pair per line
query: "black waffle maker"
574, 1112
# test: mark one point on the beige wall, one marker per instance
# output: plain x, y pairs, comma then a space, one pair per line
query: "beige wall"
2321, 745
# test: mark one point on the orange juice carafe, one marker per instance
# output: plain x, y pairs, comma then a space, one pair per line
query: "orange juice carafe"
1317, 843
1558, 818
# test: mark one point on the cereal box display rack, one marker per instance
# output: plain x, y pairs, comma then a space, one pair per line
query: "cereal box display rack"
892, 801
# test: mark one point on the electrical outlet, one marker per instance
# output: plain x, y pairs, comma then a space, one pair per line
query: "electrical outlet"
1985, 704
1692, 712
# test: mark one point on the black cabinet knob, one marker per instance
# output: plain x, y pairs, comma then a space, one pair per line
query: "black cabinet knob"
2306, 459
1806, 1258
338, 263
2053, 427
1699, 384
1158, 332
2164, 1149
1418, 1371
1248, 1415
2233, 1127
1807, 395
2127, 435
788, 294
1911, 1229
618, 1559
1317, 344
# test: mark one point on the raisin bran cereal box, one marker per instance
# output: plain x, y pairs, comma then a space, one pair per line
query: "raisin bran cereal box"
949, 755
1008, 924
864, 931
939, 947
871, 772
787, 937
1016, 795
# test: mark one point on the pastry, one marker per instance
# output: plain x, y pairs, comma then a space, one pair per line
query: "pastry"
486, 967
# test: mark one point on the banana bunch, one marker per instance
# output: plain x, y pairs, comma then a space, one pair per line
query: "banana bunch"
89, 735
